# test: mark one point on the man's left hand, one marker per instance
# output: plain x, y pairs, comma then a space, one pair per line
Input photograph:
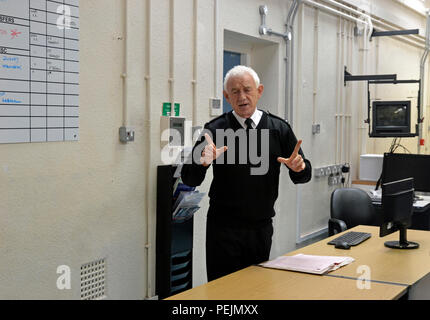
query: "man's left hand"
295, 161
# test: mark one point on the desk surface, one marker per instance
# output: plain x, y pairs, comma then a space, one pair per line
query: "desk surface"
257, 283
390, 265
392, 271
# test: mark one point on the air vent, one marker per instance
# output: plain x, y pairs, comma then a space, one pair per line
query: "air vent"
93, 280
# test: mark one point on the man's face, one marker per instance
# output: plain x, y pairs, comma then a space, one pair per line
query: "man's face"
243, 94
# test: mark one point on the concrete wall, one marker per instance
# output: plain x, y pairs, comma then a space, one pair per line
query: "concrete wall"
69, 203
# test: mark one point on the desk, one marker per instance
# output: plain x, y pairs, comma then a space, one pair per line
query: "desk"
257, 283
406, 267
393, 273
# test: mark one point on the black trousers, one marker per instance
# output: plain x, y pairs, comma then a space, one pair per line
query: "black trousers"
230, 248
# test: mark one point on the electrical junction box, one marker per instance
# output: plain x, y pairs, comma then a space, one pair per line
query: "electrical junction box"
126, 134
371, 166
215, 107
172, 131
172, 139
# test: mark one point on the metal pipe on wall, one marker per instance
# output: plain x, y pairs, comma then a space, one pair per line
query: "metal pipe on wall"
147, 167
171, 79
194, 49
345, 114
216, 21
354, 11
289, 99
349, 94
300, 29
334, 11
125, 66
422, 76
338, 89
342, 96
291, 96
363, 104
315, 66
289, 59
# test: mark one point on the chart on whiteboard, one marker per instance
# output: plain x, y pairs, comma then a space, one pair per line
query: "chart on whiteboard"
39, 70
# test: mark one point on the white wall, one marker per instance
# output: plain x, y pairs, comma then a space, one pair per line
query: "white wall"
75, 202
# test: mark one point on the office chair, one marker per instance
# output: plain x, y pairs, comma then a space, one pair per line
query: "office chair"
350, 207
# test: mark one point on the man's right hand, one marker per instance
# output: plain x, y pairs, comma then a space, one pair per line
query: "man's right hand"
210, 152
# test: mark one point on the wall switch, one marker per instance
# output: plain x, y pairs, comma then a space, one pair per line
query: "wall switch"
334, 180
126, 134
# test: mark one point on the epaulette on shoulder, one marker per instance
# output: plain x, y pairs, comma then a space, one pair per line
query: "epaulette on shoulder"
275, 116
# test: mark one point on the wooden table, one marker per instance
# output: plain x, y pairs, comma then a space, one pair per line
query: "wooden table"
387, 265
257, 283
392, 273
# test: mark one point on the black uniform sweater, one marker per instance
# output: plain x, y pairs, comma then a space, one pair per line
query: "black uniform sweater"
235, 194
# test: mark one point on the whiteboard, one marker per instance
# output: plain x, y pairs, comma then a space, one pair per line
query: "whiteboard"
39, 70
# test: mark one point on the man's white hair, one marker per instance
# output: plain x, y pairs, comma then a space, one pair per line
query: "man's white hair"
240, 71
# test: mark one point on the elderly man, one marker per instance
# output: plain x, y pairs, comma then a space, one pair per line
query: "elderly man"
239, 223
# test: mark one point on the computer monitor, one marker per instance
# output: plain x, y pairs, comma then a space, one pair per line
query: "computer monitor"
397, 166
391, 118
397, 208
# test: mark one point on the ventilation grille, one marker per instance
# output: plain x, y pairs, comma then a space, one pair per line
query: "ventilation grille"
93, 280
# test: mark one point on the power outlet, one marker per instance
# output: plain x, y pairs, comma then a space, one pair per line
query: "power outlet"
328, 170
319, 172
334, 179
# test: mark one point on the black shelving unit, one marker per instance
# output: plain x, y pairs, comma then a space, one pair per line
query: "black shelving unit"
174, 252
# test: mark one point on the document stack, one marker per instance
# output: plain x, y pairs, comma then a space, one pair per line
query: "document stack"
185, 201
308, 263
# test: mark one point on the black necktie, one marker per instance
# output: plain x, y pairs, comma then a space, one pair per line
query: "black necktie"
248, 123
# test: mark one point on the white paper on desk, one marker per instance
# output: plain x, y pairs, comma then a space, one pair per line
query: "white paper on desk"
308, 263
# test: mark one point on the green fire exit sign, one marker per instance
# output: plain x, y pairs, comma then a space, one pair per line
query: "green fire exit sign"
167, 109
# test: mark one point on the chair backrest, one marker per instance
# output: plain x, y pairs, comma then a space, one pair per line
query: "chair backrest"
353, 206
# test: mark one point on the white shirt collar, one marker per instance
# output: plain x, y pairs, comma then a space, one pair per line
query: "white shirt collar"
256, 117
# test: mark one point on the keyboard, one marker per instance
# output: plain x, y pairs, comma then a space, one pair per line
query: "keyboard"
353, 238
